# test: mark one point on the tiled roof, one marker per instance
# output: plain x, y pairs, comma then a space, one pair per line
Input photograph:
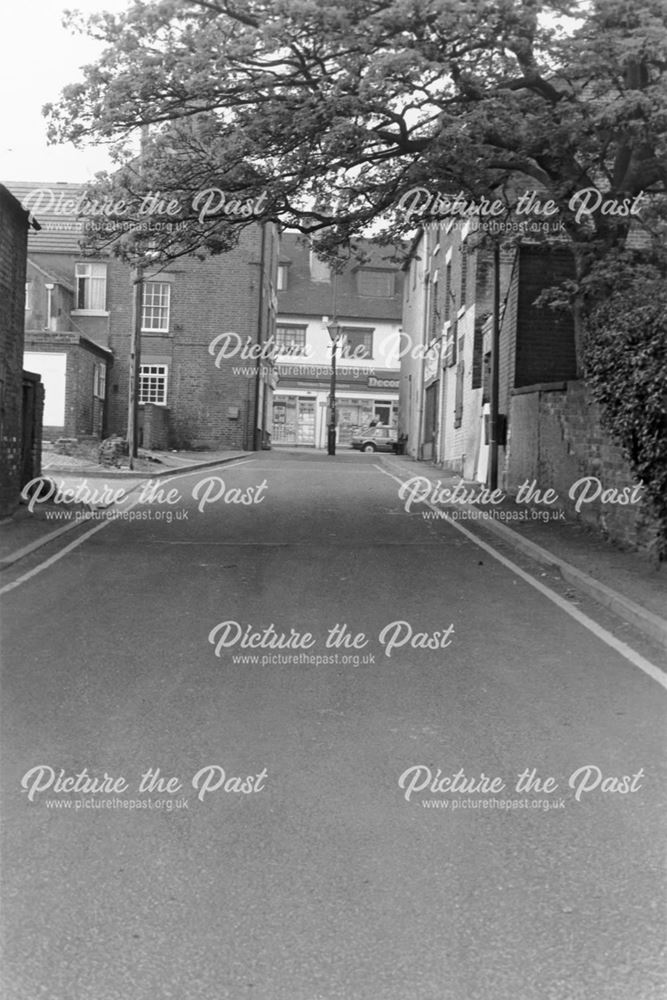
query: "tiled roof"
306, 297
48, 202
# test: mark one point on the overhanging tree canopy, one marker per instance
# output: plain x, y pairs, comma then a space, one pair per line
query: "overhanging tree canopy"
323, 116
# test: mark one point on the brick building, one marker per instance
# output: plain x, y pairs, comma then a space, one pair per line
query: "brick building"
72, 366
21, 395
80, 328
365, 300
550, 429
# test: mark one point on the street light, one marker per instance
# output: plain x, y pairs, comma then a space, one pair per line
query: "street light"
334, 332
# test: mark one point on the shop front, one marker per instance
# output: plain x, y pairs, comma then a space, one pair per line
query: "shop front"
300, 413
294, 420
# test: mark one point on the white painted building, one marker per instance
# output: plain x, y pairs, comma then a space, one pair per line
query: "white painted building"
365, 301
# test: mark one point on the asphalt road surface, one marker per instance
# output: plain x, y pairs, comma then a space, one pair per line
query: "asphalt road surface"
268, 748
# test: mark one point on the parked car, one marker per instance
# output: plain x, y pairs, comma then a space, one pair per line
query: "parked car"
375, 439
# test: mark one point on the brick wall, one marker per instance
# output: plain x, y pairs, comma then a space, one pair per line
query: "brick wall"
84, 414
33, 418
13, 251
208, 298
153, 426
557, 438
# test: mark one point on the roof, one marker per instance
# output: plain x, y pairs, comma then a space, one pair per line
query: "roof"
53, 204
10, 199
303, 296
53, 274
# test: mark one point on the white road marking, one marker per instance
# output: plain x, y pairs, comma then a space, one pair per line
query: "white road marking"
618, 645
103, 524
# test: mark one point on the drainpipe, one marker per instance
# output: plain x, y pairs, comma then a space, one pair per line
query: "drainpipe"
135, 366
492, 479
422, 390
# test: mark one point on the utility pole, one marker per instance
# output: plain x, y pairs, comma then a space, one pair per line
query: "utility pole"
495, 370
135, 340
135, 365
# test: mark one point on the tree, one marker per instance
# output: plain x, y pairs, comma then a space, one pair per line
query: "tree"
626, 368
325, 116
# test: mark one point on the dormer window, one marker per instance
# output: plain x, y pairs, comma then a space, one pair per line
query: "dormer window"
375, 283
319, 270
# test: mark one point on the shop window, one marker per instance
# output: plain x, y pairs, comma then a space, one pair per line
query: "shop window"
155, 306
91, 287
153, 384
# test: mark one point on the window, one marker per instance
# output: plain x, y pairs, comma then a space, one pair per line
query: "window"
153, 384
435, 322
28, 295
319, 270
100, 381
448, 292
464, 275
91, 287
451, 338
477, 353
375, 284
291, 340
155, 306
458, 401
357, 343
282, 277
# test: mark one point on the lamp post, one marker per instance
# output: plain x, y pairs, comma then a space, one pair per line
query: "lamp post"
334, 332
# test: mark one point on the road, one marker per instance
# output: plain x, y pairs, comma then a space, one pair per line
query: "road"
366, 840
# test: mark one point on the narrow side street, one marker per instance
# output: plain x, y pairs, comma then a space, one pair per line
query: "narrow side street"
445, 783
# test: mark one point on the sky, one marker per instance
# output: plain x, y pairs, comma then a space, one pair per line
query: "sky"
39, 58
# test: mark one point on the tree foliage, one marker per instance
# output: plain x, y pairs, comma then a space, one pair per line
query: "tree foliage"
626, 368
322, 116
337, 110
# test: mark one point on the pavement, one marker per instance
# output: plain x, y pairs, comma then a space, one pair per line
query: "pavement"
315, 747
627, 583
28, 530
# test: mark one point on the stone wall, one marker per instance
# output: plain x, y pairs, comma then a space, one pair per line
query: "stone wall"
556, 438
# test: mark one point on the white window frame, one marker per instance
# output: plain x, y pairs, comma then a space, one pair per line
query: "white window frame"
295, 348
161, 374
281, 277
94, 276
348, 352
158, 313
100, 381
